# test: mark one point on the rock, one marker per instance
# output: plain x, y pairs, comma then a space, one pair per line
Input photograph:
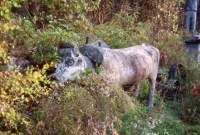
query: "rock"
17, 64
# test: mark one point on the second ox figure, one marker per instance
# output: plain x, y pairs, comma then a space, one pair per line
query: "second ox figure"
125, 67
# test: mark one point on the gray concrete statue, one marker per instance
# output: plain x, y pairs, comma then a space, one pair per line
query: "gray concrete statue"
191, 15
125, 67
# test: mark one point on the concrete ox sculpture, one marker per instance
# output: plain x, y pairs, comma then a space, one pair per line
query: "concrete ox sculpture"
124, 67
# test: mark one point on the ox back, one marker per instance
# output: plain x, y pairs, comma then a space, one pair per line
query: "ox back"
129, 66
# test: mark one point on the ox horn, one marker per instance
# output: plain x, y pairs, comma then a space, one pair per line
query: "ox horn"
87, 40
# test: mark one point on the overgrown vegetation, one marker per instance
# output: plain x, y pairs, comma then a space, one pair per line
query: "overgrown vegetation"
31, 103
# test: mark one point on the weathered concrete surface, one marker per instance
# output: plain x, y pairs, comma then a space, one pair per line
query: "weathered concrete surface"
126, 66
72, 62
99, 43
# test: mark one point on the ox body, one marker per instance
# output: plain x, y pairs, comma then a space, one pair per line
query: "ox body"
125, 67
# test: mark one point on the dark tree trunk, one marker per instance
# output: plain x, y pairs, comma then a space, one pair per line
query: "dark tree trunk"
132, 5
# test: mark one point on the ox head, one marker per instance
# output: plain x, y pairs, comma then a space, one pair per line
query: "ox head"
72, 62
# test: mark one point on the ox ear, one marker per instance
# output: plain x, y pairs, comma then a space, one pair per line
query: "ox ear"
67, 45
93, 53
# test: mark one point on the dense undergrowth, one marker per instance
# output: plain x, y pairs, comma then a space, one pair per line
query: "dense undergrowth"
31, 103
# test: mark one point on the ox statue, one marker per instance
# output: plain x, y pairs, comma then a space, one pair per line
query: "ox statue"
125, 67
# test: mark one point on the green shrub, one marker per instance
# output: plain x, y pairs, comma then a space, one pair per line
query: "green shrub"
194, 130
117, 34
156, 121
6, 5
39, 46
88, 105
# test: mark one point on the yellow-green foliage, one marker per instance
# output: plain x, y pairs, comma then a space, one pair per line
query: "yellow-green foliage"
18, 92
4, 41
3, 55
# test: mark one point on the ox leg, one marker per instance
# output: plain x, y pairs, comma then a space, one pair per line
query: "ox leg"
151, 92
136, 93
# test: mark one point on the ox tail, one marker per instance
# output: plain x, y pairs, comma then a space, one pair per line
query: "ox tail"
158, 56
